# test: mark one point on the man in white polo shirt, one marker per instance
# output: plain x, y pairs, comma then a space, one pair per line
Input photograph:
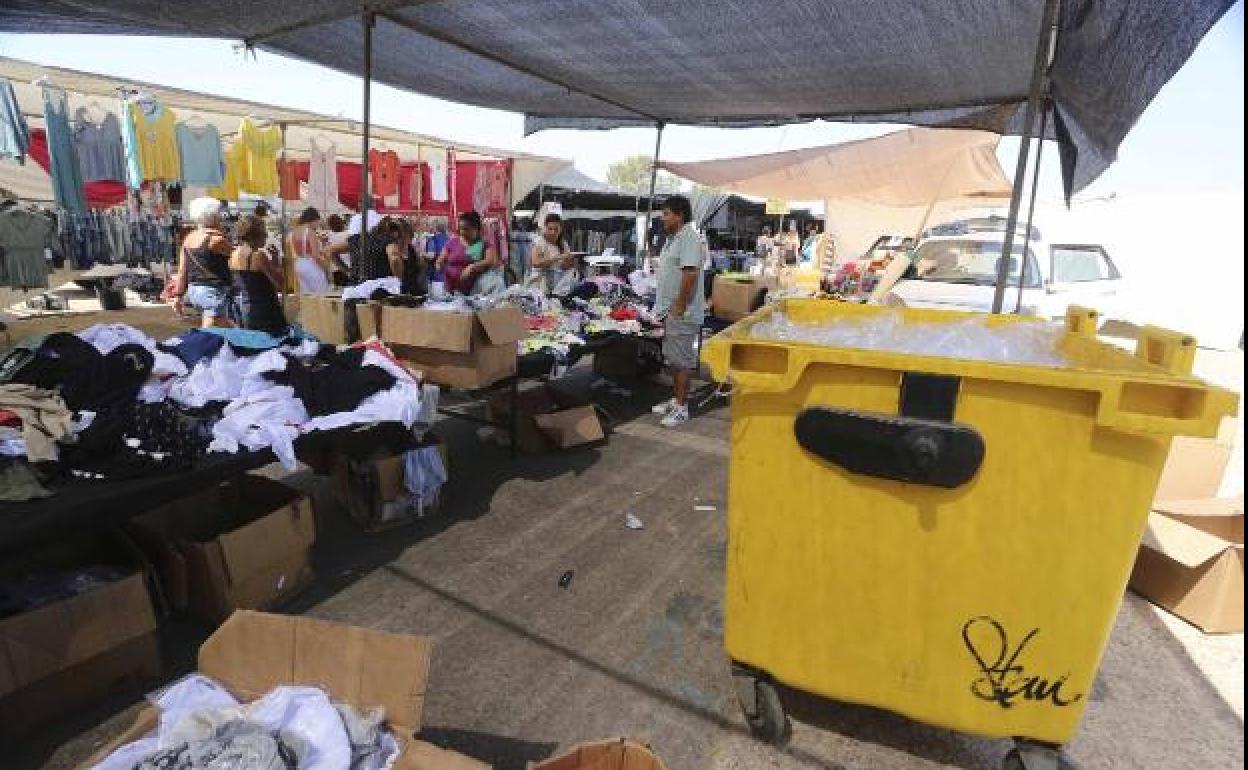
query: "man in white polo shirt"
680, 303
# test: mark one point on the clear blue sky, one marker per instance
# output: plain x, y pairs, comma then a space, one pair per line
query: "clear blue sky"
1190, 140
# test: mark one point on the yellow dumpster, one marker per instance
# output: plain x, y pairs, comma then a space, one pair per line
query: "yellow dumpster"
944, 537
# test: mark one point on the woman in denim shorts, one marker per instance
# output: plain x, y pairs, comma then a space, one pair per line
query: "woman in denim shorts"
203, 267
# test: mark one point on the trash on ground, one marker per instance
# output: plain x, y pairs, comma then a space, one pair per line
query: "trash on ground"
632, 522
565, 579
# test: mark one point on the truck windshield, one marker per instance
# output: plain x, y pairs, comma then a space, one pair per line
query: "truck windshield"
970, 262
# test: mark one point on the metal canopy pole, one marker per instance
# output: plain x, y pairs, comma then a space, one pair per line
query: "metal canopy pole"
654, 178
281, 222
1031, 206
369, 21
1039, 77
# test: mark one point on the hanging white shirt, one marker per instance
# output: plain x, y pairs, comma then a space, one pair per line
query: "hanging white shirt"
438, 180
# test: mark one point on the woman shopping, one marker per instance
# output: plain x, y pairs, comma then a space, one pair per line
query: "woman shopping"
468, 264
257, 277
553, 266
203, 280
312, 268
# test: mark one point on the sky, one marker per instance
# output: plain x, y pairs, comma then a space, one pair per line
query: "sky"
1190, 140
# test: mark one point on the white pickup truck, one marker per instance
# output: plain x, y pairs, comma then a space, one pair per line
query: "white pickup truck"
960, 272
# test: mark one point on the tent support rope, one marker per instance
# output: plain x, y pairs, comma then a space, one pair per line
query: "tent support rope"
1039, 78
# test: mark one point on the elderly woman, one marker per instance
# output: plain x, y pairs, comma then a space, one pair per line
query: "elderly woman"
203, 279
468, 263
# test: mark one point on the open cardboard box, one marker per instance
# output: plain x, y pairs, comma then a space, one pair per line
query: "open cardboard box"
1191, 562
253, 652
458, 350
734, 297
1191, 559
244, 544
373, 489
323, 315
607, 755
65, 655
547, 418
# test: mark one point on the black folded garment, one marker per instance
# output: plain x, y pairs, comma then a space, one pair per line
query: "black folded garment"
404, 300
332, 382
86, 379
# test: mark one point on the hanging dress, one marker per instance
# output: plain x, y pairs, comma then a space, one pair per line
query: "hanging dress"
259, 155
323, 178
151, 143
66, 175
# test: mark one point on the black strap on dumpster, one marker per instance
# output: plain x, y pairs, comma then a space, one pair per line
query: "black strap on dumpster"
919, 445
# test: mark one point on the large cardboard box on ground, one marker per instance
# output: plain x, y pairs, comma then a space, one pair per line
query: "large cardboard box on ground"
1191, 562
253, 652
735, 297
245, 544
1191, 559
65, 655
323, 315
458, 350
546, 418
569, 428
532, 399
373, 489
608, 755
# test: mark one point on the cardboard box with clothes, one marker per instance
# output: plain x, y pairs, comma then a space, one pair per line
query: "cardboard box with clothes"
335, 321
377, 491
458, 350
76, 625
253, 653
734, 297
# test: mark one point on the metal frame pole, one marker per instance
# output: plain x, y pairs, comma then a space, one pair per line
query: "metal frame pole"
1039, 78
369, 19
654, 178
281, 222
1031, 206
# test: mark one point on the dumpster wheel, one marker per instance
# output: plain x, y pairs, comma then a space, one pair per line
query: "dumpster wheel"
761, 704
1029, 755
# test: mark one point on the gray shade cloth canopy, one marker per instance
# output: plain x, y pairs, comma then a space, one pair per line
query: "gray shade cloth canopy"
609, 63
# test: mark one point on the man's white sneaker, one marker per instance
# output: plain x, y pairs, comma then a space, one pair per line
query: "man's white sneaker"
664, 408
675, 418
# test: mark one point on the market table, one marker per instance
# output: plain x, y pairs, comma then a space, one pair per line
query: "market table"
81, 507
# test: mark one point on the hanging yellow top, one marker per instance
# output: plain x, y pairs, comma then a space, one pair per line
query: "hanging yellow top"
260, 148
155, 145
235, 172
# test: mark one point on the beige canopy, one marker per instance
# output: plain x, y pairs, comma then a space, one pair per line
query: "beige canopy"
892, 184
88, 89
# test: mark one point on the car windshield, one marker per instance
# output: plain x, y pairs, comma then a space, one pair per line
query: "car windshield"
969, 262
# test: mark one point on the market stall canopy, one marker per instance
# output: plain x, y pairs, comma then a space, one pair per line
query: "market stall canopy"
890, 185
572, 178
905, 168
85, 89
960, 63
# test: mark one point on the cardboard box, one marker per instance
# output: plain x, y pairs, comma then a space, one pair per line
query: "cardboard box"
245, 544
532, 399
608, 755
629, 358
253, 652
571, 427
1196, 466
323, 316
458, 350
373, 490
1191, 562
735, 297
64, 655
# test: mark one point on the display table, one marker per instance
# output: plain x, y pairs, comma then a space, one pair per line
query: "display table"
80, 507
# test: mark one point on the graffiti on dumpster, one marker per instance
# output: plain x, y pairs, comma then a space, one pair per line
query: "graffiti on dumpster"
1003, 676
